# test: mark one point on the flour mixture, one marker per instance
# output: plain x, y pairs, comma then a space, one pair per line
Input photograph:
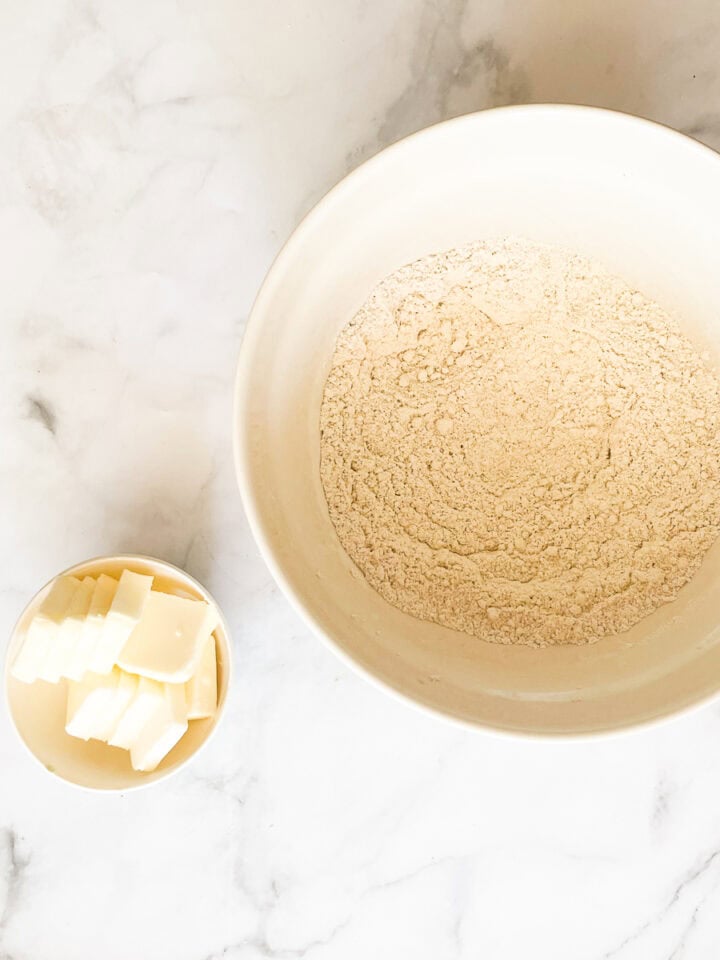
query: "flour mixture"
517, 445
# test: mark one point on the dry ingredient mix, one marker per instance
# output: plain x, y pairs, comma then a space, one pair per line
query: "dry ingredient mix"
516, 444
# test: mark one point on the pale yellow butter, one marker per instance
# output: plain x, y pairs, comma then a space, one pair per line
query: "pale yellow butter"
167, 644
100, 602
140, 711
43, 629
201, 688
60, 660
163, 730
127, 607
97, 702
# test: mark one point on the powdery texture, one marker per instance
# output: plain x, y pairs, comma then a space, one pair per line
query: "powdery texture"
517, 445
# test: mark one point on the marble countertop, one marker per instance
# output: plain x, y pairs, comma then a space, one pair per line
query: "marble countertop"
154, 155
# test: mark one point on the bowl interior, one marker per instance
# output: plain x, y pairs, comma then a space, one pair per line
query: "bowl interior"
38, 709
638, 197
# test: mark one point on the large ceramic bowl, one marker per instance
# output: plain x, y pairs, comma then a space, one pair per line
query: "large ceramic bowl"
641, 198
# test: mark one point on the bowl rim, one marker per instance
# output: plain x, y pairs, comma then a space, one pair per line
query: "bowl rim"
241, 429
219, 713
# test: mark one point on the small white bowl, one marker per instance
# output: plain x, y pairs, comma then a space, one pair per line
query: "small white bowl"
640, 198
38, 709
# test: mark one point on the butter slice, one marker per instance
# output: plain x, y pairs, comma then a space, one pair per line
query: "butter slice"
201, 688
90, 703
162, 731
126, 609
100, 601
61, 655
147, 702
43, 630
168, 642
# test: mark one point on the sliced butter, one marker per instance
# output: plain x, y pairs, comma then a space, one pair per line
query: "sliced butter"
100, 601
168, 642
61, 655
43, 629
148, 701
162, 731
201, 688
90, 703
125, 612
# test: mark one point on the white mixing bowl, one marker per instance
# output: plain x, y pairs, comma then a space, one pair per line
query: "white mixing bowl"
642, 199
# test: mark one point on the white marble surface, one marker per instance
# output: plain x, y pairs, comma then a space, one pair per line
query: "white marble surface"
153, 156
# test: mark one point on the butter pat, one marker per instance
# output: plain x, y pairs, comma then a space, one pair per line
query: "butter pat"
147, 702
168, 642
163, 730
201, 688
43, 630
125, 612
124, 695
91, 703
61, 655
100, 601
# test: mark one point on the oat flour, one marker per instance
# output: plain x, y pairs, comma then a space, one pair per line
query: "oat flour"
517, 445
